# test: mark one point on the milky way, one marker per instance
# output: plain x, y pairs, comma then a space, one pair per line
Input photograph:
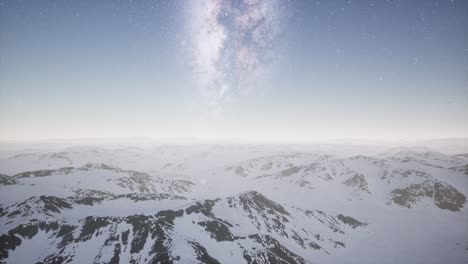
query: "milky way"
231, 44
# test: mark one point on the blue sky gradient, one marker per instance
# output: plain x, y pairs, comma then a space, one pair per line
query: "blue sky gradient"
358, 69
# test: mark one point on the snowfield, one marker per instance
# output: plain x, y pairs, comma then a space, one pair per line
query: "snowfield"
213, 203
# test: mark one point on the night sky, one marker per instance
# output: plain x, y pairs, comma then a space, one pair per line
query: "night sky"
246, 69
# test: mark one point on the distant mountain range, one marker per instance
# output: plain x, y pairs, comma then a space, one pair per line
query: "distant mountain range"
233, 204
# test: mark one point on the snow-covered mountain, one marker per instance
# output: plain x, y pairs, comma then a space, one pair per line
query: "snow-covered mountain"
233, 204
243, 228
404, 178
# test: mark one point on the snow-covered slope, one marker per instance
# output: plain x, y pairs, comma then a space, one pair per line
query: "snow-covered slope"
243, 228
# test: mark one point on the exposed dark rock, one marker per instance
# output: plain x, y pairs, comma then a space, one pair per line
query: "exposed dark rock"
7, 180
271, 252
141, 229
322, 217
358, 182
218, 230
10, 241
256, 201
339, 244
92, 225
443, 195
202, 254
116, 257
350, 221
42, 204
43, 173
204, 207
447, 197
54, 204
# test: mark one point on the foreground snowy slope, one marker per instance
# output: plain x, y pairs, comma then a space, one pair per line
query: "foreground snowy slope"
245, 228
234, 204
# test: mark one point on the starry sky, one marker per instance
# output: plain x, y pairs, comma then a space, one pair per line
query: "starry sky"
252, 70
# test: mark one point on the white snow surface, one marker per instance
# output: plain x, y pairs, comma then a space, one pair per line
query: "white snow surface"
122, 183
